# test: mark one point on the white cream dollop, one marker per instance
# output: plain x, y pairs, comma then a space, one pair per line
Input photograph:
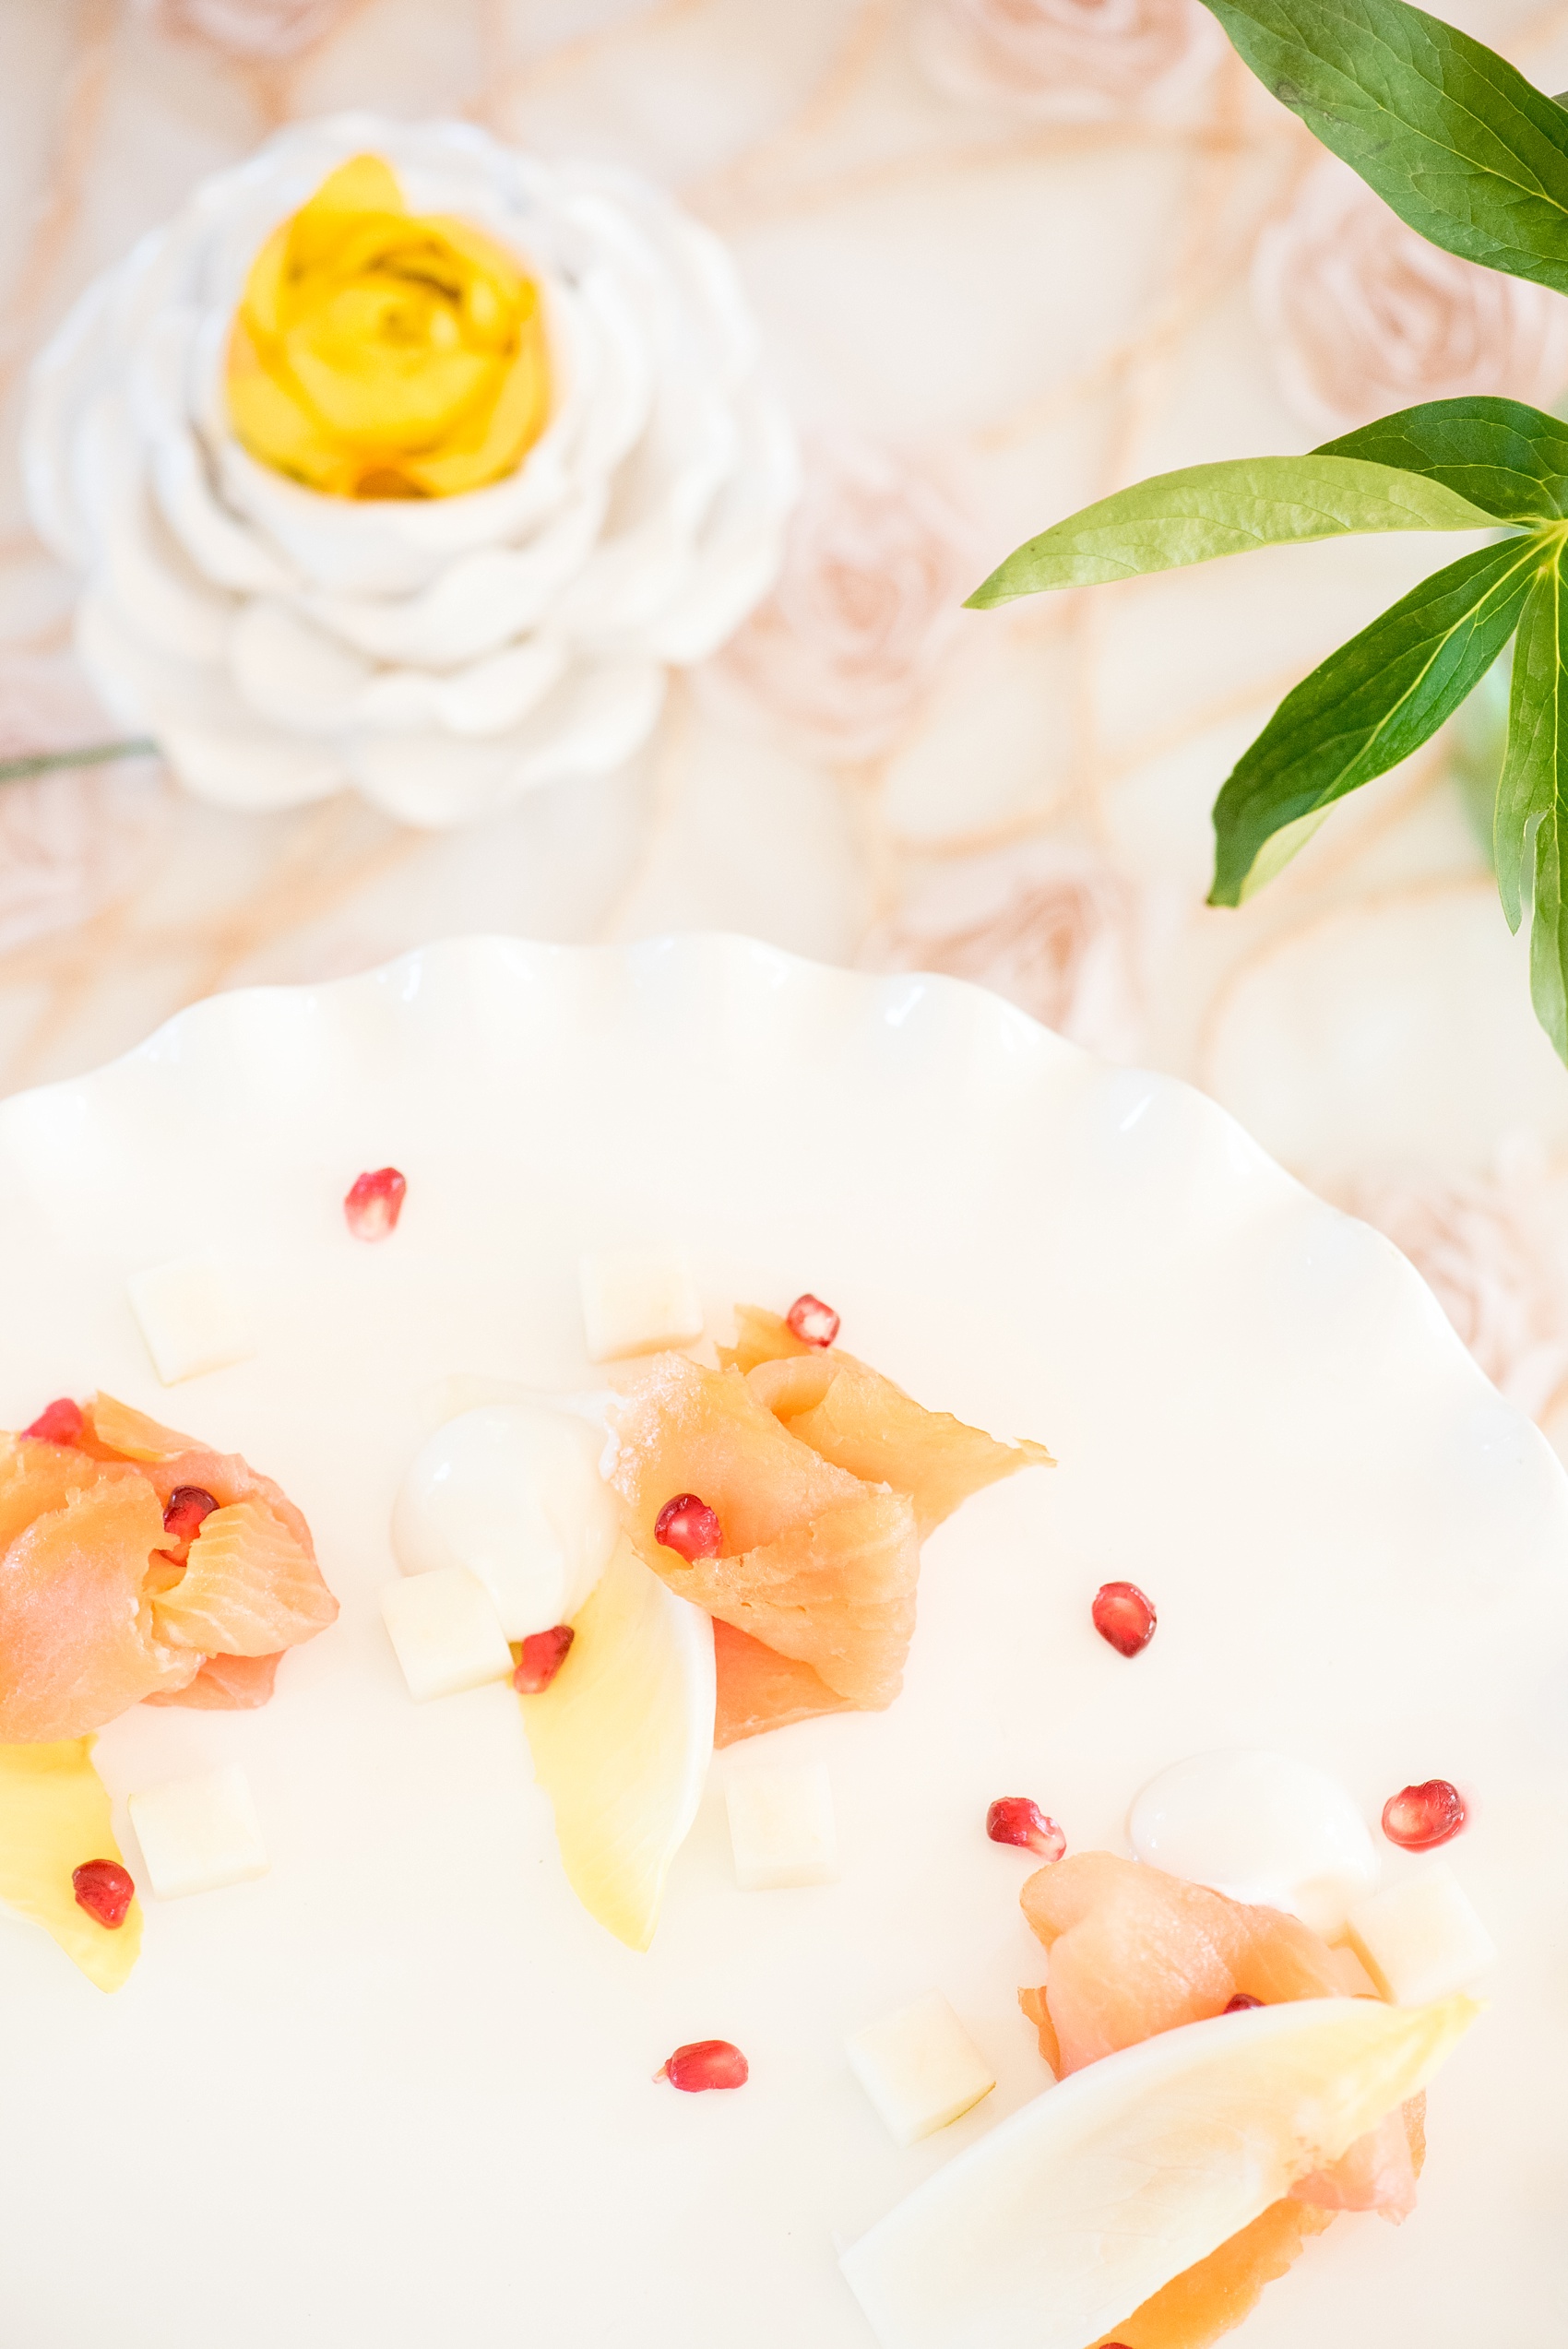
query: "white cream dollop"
442, 656
513, 1493
1262, 1827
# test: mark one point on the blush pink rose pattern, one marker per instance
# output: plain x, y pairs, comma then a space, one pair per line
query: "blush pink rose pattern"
74, 839
1069, 60
877, 564
1363, 317
257, 31
1056, 929
1485, 1248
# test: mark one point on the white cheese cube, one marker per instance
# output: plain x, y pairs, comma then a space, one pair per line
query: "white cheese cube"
919, 2068
446, 1631
1420, 1939
198, 1833
191, 1316
636, 1301
781, 1826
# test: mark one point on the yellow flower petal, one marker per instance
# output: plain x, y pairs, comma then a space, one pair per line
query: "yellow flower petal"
502, 433
362, 184
54, 1815
375, 354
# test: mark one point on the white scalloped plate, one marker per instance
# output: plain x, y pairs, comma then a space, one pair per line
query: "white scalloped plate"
398, 2093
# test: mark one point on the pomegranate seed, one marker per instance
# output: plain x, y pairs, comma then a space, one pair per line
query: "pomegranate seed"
543, 1655
1241, 2002
1016, 1820
1124, 1617
811, 1320
705, 2063
188, 1505
105, 1890
688, 1525
374, 1203
59, 1422
1419, 1817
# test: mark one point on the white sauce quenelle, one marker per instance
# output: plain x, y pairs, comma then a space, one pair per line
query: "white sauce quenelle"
1261, 1827
513, 1493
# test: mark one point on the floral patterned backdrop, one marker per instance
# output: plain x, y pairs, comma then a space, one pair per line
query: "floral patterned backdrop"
1006, 256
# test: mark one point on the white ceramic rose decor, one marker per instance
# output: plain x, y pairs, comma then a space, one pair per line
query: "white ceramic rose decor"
443, 654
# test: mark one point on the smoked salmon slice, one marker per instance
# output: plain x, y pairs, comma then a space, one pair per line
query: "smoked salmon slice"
112, 1430
850, 1413
761, 1336
690, 1429
817, 1565
228, 1684
758, 1688
248, 1587
836, 1592
1134, 1952
100, 1608
824, 1477
78, 1642
1212, 2297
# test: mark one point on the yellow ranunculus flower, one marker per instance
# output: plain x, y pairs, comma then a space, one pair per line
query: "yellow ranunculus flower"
378, 355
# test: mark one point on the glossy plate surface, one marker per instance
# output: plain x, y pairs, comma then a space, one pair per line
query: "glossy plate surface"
399, 2091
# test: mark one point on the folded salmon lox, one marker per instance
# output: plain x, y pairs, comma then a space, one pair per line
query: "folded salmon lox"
758, 1688
836, 1591
850, 1413
815, 1564
1134, 1952
250, 1587
98, 1610
824, 1477
228, 1684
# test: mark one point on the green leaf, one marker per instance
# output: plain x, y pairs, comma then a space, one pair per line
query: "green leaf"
1374, 702
1466, 151
1210, 510
1531, 836
17, 770
1478, 746
1500, 455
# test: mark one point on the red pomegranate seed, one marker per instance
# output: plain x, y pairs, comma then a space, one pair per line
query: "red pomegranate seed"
188, 1505
1419, 1817
1241, 2002
811, 1320
1016, 1820
543, 1655
688, 1525
374, 1203
1124, 1617
105, 1890
705, 2063
59, 1422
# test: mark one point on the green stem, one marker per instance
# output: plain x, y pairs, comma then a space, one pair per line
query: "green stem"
16, 770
